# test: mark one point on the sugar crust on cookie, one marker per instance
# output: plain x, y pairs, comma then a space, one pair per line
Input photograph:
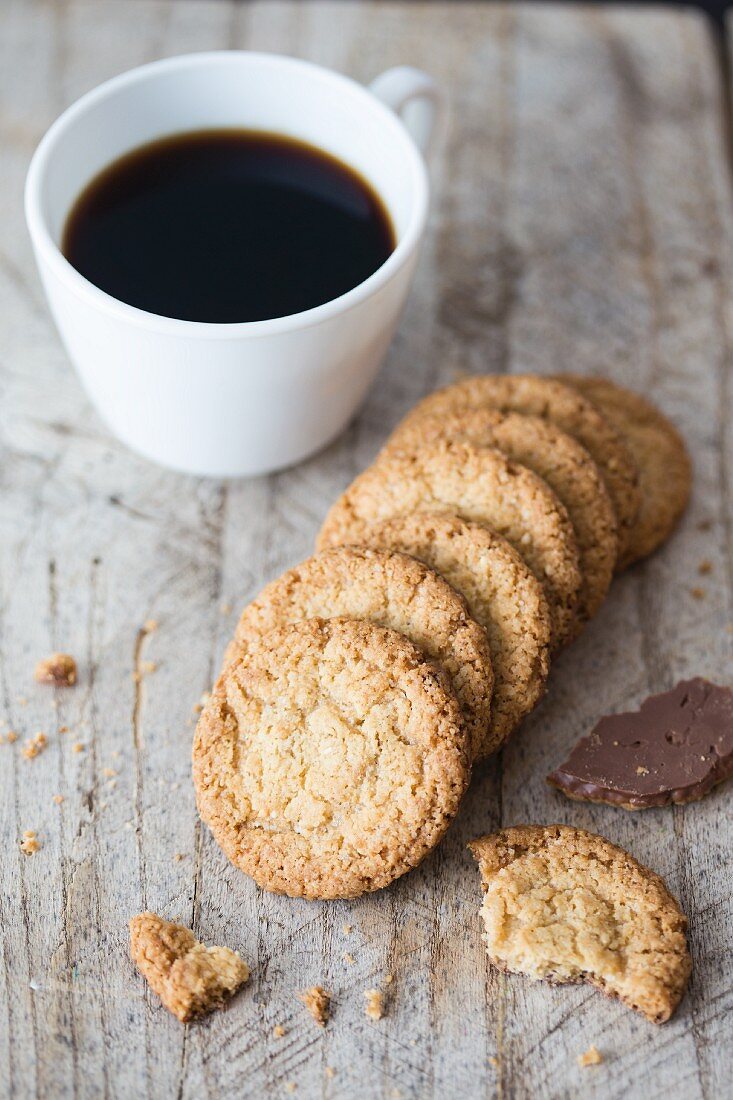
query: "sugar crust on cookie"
503, 595
393, 590
330, 759
479, 484
564, 406
565, 905
553, 455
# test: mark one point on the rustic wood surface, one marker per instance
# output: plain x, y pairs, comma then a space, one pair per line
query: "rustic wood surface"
581, 221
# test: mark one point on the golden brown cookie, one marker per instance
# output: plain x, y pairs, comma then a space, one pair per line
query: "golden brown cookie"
476, 483
665, 471
560, 460
562, 405
392, 590
190, 979
330, 759
565, 905
503, 595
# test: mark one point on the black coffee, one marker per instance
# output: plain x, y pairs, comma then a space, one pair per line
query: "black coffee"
226, 226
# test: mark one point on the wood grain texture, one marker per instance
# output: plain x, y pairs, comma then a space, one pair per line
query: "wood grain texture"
582, 221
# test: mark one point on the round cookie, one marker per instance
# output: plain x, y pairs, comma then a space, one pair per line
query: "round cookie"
475, 483
392, 590
503, 595
330, 759
562, 405
665, 472
560, 460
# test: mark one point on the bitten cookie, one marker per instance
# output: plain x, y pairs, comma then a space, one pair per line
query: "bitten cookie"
330, 759
392, 590
503, 595
565, 905
190, 979
665, 472
564, 406
560, 460
479, 484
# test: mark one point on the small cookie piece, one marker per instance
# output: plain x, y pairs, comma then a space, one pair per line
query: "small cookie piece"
392, 590
591, 1057
564, 406
674, 749
556, 457
59, 669
503, 595
330, 759
318, 1003
374, 1008
479, 484
564, 905
665, 471
190, 979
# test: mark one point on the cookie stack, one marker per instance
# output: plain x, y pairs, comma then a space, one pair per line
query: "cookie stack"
361, 686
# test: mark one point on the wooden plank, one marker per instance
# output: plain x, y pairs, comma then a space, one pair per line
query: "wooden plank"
582, 220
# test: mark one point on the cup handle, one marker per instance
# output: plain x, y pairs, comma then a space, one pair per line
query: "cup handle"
414, 97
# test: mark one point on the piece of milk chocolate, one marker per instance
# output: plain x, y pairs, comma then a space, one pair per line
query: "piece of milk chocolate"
673, 749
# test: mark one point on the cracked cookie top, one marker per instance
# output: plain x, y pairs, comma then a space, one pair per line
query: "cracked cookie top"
475, 483
567, 906
503, 595
562, 405
392, 590
555, 456
330, 758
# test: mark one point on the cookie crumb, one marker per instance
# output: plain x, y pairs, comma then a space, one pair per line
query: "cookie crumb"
178, 857
77, 747
63, 729
34, 745
494, 1062
330, 1072
349, 958
374, 1009
150, 626
592, 1057
697, 593
109, 773
198, 707
278, 1031
58, 669
641, 770
705, 567
347, 929
11, 736
58, 799
388, 979
318, 1003
30, 843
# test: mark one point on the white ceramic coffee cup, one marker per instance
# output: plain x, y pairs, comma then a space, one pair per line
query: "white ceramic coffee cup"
234, 399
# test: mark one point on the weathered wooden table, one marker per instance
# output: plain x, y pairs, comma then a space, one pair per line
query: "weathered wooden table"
582, 220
